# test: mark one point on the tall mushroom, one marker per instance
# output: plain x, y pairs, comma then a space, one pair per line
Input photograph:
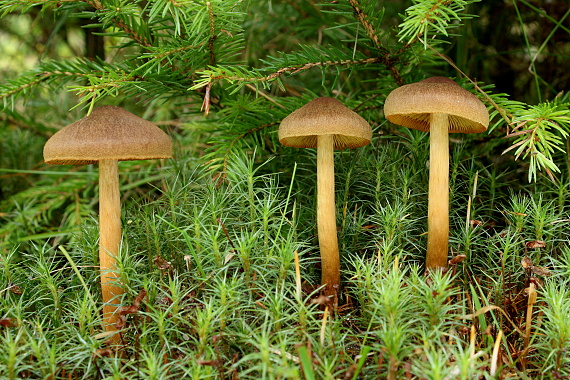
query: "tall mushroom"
439, 106
326, 124
108, 135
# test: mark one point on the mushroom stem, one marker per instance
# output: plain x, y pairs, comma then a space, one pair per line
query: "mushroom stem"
438, 197
326, 218
109, 240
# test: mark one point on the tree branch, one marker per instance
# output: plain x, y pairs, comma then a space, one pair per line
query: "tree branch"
212, 38
387, 59
293, 70
141, 40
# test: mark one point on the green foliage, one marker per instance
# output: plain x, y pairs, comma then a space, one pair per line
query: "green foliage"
436, 16
539, 131
556, 343
208, 254
194, 51
215, 262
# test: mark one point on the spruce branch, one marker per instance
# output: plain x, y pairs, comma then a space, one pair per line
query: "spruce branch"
220, 73
370, 30
539, 131
7, 6
113, 14
387, 59
245, 118
427, 15
212, 54
212, 38
165, 55
44, 74
100, 86
93, 79
115, 18
266, 96
17, 89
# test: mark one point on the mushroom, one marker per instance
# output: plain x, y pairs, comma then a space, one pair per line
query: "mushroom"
108, 135
439, 106
326, 124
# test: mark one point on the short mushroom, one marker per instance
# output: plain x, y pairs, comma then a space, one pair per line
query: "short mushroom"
439, 106
108, 135
326, 124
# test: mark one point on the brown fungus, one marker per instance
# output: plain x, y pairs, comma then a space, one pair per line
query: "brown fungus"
108, 135
326, 124
439, 106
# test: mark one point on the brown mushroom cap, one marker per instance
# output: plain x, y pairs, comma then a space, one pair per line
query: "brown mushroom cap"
324, 116
109, 132
411, 105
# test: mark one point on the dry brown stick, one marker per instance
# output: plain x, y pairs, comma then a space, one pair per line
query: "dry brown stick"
528, 324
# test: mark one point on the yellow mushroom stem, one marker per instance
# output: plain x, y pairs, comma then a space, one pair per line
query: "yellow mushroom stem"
109, 241
438, 197
326, 218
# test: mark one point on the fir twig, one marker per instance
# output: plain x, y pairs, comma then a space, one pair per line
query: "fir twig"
362, 18
264, 95
387, 59
211, 76
129, 31
435, 14
24, 83
212, 38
